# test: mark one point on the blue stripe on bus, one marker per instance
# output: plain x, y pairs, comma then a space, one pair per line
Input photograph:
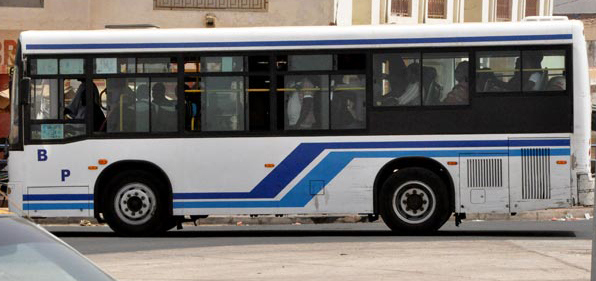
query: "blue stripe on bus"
57, 206
305, 153
385, 41
329, 168
57, 197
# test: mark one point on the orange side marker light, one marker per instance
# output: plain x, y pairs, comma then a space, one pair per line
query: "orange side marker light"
92, 167
102, 161
269, 165
561, 162
451, 163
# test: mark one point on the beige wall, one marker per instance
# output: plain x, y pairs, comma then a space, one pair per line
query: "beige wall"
95, 14
361, 12
57, 14
280, 12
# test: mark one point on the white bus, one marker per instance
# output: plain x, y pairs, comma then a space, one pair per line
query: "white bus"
143, 128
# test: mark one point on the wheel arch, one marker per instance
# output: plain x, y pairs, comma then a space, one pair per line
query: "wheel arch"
99, 193
408, 162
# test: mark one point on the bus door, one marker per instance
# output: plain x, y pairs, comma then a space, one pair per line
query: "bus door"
540, 173
484, 183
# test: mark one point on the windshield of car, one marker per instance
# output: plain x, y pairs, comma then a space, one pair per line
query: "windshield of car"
24, 246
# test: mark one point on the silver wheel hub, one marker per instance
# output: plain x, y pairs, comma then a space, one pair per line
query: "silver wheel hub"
414, 202
135, 203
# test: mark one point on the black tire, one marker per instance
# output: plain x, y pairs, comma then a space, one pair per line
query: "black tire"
415, 201
136, 204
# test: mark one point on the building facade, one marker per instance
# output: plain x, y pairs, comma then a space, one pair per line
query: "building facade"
584, 10
438, 11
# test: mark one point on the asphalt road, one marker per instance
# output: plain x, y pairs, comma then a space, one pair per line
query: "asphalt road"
100, 239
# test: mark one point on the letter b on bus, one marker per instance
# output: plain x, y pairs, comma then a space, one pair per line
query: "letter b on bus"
65, 174
42, 155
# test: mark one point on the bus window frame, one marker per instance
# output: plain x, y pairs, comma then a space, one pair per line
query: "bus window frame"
273, 73
568, 49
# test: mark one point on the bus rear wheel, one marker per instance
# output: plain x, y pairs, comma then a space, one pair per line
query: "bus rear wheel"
414, 200
135, 205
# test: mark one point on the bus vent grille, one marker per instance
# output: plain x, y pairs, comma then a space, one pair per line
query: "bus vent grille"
485, 173
535, 173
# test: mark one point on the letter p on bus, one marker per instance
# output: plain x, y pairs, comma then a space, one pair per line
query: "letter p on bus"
65, 174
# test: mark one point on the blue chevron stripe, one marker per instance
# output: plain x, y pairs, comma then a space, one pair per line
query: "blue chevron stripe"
329, 168
305, 153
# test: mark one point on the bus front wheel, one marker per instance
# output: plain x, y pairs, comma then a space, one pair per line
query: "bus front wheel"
135, 204
414, 200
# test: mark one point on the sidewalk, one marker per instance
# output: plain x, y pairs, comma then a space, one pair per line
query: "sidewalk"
576, 213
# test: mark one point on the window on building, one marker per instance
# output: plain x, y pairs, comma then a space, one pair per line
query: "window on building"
437, 9
503, 10
234, 5
532, 8
401, 8
22, 3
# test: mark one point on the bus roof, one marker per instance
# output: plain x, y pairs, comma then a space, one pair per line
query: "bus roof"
298, 38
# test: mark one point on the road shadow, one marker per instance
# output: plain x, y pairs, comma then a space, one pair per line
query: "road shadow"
89, 241
439, 235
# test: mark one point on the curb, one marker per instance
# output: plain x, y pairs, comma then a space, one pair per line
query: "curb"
569, 214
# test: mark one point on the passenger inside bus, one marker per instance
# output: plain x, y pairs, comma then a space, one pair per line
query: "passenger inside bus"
393, 71
121, 102
142, 108
301, 107
345, 114
411, 95
556, 83
534, 77
163, 111
460, 92
78, 107
430, 87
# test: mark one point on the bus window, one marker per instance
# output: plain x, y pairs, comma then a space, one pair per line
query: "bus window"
222, 64
126, 104
114, 65
257, 103
157, 65
396, 79
445, 79
348, 104
192, 64
310, 62
44, 66
351, 62
164, 116
192, 98
543, 70
258, 63
72, 66
498, 71
306, 101
222, 101
45, 99
57, 100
